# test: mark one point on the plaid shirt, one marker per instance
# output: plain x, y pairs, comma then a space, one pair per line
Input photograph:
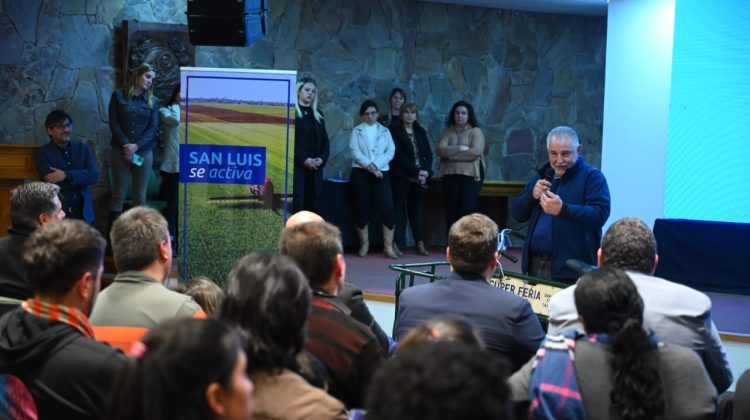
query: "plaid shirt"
553, 385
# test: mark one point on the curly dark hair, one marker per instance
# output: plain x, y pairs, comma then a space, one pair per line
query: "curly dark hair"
450, 120
609, 302
441, 380
629, 245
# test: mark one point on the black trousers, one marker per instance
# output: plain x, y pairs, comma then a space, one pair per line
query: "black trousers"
369, 191
305, 195
407, 203
461, 194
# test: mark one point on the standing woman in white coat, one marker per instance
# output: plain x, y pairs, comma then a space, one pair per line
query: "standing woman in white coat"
372, 149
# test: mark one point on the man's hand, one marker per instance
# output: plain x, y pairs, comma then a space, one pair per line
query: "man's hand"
310, 164
540, 188
55, 176
551, 203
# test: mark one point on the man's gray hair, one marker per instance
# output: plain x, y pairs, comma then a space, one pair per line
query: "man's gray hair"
563, 131
136, 237
28, 201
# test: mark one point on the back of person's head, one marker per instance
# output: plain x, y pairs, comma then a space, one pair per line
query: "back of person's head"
440, 380
629, 245
136, 237
442, 328
205, 292
314, 246
473, 242
303, 216
57, 254
29, 200
184, 369
608, 302
268, 299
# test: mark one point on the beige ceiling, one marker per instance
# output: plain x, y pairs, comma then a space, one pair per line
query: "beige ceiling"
576, 7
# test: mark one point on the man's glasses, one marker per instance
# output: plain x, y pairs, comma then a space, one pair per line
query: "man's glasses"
63, 126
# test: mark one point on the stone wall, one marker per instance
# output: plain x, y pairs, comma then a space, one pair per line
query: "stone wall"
523, 72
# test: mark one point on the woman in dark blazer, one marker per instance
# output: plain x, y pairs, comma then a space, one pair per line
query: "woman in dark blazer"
411, 167
311, 147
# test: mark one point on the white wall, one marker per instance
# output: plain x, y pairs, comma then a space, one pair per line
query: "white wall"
636, 106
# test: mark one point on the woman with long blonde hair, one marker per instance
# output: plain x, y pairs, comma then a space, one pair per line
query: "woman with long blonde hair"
311, 147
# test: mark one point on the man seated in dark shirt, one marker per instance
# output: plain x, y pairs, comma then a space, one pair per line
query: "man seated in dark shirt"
346, 347
69, 164
505, 321
32, 205
350, 293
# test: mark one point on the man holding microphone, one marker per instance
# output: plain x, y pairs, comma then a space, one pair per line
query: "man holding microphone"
566, 205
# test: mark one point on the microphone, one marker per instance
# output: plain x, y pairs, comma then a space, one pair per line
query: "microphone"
549, 175
511, 257
579, 266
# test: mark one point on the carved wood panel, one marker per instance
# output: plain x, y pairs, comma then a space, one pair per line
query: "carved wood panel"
165, 46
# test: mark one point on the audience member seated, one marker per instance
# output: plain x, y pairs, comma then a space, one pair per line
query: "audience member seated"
69, 164
48, 342
205, 293
184, 369
505, 321
440, 381
137, 299
31, 205
677, 313
268, 300
621, 371
441, 328
347, 347
350, 293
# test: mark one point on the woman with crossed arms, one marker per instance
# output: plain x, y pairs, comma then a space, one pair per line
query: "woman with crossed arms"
461, 151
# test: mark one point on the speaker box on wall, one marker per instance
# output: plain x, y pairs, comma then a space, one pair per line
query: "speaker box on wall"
232, 23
